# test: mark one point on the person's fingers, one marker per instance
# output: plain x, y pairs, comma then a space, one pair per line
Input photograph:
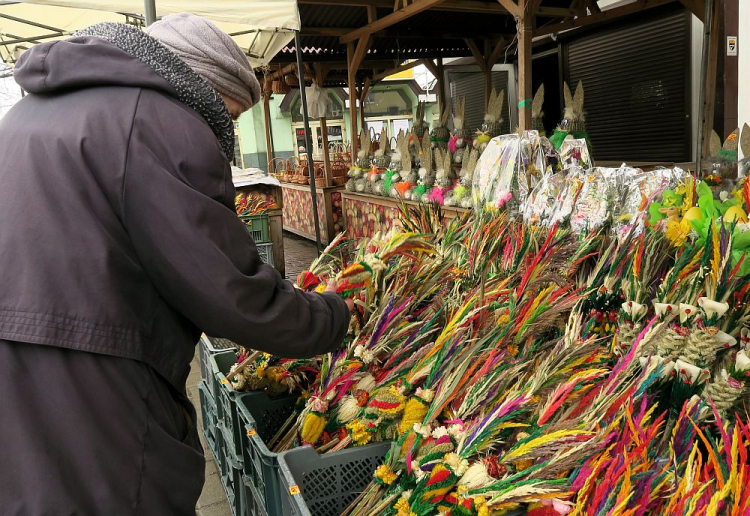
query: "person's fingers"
349, 303
331, 286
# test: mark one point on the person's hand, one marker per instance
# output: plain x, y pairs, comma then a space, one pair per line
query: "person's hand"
332, 286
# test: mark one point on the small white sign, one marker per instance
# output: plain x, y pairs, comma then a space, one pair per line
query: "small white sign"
731, 45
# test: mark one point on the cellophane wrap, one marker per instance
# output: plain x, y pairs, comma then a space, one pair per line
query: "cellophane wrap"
563, 206
541, 203
510, 168
575, 153
531, 166
636, 190
493, 178
593, 207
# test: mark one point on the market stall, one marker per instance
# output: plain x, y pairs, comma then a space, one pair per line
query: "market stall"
366, 215
361, 44
568, 349
298, 211
259, 200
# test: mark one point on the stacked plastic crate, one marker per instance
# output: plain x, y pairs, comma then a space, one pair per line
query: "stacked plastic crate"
258, 227
259, 482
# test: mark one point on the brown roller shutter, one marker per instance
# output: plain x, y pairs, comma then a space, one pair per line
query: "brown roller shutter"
636, 84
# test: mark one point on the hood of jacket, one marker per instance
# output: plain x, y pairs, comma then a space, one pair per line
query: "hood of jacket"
116, 54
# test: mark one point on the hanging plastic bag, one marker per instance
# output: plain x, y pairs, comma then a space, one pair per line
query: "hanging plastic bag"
317, 101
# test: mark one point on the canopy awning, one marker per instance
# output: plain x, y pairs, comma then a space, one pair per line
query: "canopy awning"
260, 27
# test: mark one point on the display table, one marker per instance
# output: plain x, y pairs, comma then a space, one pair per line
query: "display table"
365, 215
298, 214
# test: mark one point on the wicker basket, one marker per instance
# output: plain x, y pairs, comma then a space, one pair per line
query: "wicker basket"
280, 169
280, 87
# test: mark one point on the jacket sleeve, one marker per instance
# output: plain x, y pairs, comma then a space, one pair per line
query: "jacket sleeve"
176, 194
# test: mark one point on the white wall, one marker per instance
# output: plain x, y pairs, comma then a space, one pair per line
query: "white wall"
743, 55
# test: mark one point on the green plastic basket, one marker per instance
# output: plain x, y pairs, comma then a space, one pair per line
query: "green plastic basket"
257, 226
325, 485
261, 417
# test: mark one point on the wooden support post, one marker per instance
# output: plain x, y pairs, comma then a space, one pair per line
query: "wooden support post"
487, 88
362, 96
711, 31
269, 134
441, 85
525, 24
320, 74
352, 81
355, 56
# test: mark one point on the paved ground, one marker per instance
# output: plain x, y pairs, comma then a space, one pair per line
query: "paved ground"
298, 254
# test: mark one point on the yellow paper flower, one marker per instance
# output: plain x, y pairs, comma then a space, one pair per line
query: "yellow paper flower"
403, 508
385, 474
414, 412
359, 433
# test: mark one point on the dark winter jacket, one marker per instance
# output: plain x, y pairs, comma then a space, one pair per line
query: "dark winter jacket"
117, 226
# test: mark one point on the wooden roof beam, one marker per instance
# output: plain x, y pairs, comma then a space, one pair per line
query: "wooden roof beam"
604, 16
432, 67
478, 56
510, 5
383, 23
467, 6
495, 55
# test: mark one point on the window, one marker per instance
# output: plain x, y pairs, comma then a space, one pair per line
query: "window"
388, 102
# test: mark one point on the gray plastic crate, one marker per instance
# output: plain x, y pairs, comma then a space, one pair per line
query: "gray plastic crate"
325, 485
232, 481
226, 398
210, 346
266, 253
252, 502
230, 472
261, 417
208, 413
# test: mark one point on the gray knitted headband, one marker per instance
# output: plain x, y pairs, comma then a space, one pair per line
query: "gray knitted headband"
211, 53
191, 88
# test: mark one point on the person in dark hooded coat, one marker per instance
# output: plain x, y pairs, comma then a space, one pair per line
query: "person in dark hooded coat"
119, 245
